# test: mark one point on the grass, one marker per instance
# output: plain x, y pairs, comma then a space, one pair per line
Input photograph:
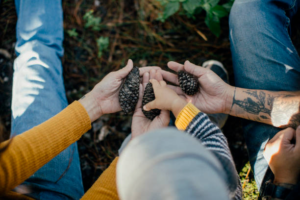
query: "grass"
100, 38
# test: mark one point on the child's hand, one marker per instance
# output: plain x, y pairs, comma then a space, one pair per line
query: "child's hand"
165, 98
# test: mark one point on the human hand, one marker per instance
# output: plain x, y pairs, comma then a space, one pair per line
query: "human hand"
165, 98
140, 123
283, 156
214, 96
104, 98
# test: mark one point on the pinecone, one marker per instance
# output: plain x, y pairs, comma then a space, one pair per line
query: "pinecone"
188, 83
129, 92
148, 97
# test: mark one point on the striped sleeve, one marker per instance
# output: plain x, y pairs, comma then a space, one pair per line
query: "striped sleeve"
213, 139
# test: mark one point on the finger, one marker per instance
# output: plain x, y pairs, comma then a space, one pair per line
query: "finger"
297, 145
194, 69
122, 73
143, 70
168, 76
146, 78
152, 74
288, 135
158, 75
177, 89
149, 106
155, 84
175, 66
278, 135
163, 83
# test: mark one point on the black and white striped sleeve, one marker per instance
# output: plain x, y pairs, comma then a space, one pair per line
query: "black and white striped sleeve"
213, 139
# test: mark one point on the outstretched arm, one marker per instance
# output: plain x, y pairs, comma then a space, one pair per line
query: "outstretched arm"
280, 109
26, 153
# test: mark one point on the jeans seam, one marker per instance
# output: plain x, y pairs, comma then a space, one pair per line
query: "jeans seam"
292, 6
289, 37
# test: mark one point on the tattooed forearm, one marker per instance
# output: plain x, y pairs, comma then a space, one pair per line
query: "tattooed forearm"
254, 103
277, 108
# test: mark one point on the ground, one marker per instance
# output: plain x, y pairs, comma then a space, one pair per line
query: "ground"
133, 32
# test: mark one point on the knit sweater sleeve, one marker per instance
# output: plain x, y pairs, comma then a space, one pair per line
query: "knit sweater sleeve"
106, 185
29, 151
198, 125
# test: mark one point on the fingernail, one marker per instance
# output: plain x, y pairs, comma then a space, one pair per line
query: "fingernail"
145, 108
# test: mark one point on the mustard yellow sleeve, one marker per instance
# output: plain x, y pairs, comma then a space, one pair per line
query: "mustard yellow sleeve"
106, 185
186, 115
32, 149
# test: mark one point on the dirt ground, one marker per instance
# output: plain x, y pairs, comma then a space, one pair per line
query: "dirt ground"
133, 33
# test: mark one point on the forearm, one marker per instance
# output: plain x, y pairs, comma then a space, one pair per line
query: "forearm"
29, 151
280, 109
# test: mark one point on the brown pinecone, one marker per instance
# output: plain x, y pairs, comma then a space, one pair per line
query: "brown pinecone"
188, 83
148, 97
129, 92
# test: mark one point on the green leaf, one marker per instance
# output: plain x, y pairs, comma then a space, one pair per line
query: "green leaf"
170, 9
102, 43
219, 11
213, 3
91, 21
228, 5
213, 23
206, 7
191, 5
72, 32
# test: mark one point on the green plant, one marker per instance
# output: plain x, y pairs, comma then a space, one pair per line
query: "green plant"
214, 11
102, 43
250, 191
72, 32
91, 21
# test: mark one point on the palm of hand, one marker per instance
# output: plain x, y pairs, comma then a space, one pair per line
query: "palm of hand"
141, 124
107, 93
212, 94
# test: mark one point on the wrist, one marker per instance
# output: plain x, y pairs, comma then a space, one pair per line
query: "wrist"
230, 94
91, 106
177, 105
286, 181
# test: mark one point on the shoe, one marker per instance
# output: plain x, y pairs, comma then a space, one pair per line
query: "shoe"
218, 119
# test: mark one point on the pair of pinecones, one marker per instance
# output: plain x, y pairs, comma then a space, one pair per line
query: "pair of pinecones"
129, 92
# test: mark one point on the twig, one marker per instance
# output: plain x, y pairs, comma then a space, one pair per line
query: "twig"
244, 184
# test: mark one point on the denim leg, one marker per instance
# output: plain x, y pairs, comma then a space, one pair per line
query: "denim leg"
39, 94
263, 58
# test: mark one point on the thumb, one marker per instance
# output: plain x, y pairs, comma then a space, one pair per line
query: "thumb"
297, 145
165, 117
288, 135
122, 73
194, 69
149, 106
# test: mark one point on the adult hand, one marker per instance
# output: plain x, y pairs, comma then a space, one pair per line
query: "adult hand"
104, 98
283, 155
140, 123
214, 96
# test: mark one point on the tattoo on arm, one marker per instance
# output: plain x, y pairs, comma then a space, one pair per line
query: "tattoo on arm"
261, 104
255, 104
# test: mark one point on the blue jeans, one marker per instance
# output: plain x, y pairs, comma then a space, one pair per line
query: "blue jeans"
39, 94
263, 58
